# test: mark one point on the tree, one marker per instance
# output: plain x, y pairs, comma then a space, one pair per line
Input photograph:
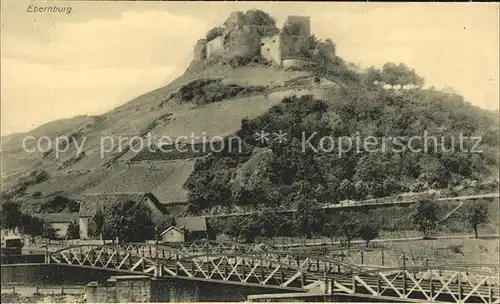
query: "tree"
31, 225
348, 223
360, 190
48, 232
128, 221
476, 214
425, 216
258, 17
369, 228
273, 222
400, 74
96, 227
331, 227
233, 228
252, 227
161, 225
73, 232
346, 189
309, 218
372, 76
10, 215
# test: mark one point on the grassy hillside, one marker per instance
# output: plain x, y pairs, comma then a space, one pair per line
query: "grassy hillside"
151, 112
294, 173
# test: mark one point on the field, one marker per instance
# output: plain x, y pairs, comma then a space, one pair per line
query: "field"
445, 249
456, 250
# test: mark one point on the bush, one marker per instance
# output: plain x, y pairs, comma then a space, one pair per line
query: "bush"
456, 248
258, 17
73, 232
203, 91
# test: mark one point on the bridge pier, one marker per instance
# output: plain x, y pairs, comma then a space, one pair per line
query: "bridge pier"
405, 287
431, 287
490, 291
159, 270
459, 287
379, 284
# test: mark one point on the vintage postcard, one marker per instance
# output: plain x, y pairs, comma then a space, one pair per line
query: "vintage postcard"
174, 151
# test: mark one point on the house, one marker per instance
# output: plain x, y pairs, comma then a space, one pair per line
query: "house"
91, 202
195, 228
165, 183
173, 234
58, 221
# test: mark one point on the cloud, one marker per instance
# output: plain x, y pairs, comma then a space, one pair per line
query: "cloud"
35, 94
90, 67
136, 40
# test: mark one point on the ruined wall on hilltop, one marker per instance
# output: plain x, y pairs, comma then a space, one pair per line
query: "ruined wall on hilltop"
215, 46
244, 41
234, 21
238, 39
295, 36
270, 48
200, 50
293, 46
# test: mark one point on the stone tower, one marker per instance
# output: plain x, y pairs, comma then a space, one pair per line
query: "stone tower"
200, 50
244, 41
235, 21
330, 48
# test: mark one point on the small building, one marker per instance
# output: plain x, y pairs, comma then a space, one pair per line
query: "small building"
173, 234
195, 228
58, 221
90, 203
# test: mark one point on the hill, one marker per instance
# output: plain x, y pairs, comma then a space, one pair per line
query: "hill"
247, 77
148, 112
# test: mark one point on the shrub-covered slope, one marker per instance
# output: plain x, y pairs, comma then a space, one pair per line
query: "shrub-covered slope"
292, 173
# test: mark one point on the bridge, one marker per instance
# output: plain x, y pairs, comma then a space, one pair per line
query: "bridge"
379, 273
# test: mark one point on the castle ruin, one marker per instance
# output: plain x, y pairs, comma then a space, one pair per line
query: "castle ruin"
286, 47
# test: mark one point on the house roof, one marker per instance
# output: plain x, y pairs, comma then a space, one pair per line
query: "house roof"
57, 217
12, 237
192, 223
166, 182
91, 202
172, 228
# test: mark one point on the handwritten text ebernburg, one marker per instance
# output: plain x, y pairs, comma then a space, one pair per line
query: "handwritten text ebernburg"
49, 9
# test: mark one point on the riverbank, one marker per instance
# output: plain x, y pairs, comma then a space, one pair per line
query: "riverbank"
41, 298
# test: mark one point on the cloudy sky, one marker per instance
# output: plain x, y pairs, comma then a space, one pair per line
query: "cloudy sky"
57, 65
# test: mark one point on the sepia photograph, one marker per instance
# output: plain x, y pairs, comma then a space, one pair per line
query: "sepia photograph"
192, 151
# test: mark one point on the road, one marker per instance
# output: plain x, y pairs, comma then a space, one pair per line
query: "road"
372, 202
